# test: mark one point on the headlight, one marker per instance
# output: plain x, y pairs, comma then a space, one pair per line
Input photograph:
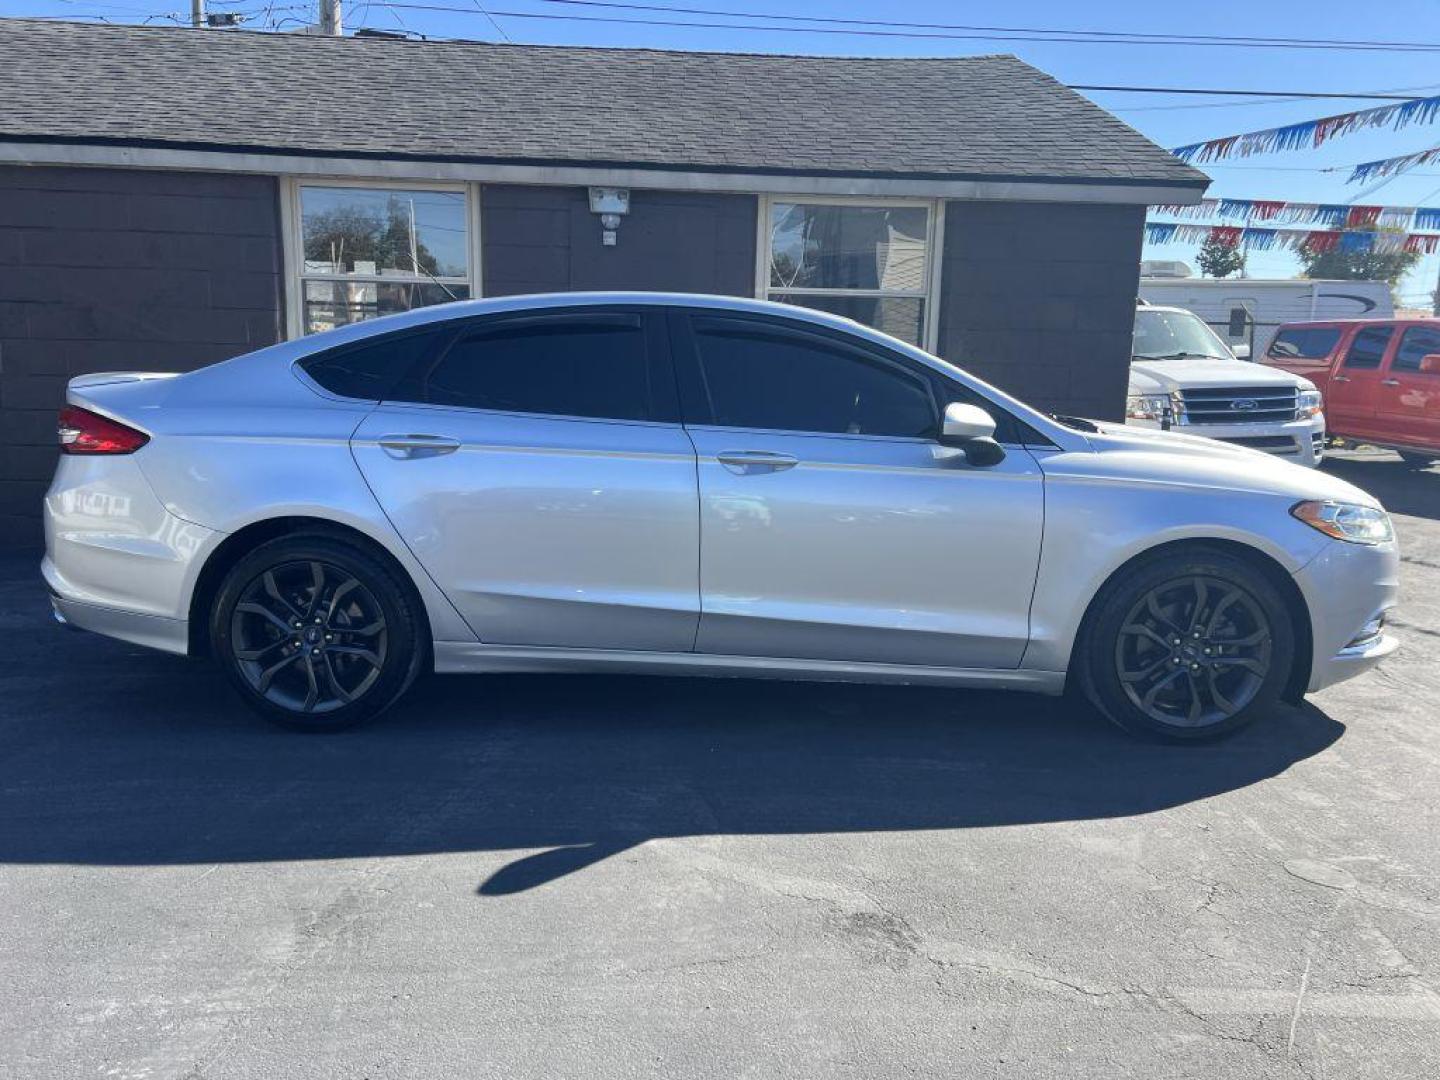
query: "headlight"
1346, 521
1308, 403
1146, 407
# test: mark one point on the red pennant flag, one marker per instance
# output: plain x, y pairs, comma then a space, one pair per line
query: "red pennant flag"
1321, 240
1362, 217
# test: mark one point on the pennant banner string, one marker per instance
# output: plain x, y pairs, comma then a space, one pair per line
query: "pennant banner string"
1369, 170
1315, 240
1327, 215
1312, 133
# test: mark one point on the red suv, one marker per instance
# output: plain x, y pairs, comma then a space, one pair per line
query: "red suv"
1380, 378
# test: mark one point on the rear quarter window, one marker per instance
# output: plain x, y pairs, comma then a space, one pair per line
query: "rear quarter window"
369, 370
1418, 343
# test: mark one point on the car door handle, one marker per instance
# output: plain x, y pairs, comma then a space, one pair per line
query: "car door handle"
1340, 378
1389, 382
746, 462
418, 446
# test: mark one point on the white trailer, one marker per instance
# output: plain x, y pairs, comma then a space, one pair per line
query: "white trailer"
1245, 312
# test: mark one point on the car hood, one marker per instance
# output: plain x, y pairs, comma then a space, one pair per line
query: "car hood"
1162, 376
1154, 456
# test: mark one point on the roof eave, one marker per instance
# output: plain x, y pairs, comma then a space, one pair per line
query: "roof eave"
1183, 185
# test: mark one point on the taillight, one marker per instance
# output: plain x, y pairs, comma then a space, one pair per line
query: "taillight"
84, 432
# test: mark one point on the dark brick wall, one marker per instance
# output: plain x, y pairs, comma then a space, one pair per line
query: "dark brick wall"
545, 239
1039, 299
104, 269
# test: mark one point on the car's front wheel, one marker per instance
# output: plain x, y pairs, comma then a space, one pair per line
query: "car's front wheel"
1188, 646
316, 632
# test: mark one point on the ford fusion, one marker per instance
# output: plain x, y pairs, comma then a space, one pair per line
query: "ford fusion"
685, 484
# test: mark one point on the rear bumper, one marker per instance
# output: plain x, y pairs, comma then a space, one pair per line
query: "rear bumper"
116, 560
152, 631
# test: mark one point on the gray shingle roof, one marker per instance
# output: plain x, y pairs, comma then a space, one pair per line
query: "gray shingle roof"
962, 118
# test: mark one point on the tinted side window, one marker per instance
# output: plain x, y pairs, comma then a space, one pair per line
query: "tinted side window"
1305, 343
792, 381
368, 371
1368, 347
1418, 342
593, 366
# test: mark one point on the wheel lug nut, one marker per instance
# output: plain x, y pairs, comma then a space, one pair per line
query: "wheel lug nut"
314, 652
329, 637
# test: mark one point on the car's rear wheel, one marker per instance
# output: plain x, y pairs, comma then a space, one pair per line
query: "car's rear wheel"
316, 632
1413, 460
1189, 646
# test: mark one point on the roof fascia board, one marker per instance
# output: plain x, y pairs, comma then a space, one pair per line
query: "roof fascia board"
377, 168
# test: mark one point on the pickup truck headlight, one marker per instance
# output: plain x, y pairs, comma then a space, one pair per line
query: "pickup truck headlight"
1308, 403
1346, 521
1146, 407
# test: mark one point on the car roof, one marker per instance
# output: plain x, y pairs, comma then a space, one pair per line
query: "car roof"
1372, 320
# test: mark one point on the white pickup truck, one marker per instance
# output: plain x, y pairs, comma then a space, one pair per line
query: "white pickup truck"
1183, 378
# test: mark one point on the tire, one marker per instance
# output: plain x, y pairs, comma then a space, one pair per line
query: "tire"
365, 651
1413, 460
1129, 652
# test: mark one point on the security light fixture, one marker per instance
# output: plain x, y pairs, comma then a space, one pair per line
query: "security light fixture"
611, 204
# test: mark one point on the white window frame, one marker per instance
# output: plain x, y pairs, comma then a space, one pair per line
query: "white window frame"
293, 240
934, 236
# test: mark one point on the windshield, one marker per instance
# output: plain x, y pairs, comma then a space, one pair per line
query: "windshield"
1174, 335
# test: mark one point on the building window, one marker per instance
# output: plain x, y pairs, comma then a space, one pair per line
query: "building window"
870, 262
370, 251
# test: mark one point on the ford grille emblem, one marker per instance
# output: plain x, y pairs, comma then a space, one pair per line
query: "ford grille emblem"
1244, 403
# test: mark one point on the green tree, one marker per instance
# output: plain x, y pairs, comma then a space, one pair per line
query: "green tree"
1220, 257
1368, 265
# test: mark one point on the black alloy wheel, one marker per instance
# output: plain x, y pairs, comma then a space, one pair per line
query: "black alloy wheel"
1193, 651
1188, 645
318, 632
308, 637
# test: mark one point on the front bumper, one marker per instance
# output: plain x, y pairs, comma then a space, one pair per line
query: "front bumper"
1300, 441
1346, 587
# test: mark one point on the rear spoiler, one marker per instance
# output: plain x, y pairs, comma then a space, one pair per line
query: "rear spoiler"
106, 378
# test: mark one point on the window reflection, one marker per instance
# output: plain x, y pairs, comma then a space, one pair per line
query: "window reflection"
377, 251
868, 263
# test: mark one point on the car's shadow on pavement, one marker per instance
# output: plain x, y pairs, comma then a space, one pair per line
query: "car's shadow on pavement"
115, 755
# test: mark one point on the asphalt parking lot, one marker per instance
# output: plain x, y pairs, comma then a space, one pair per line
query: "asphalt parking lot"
602, 877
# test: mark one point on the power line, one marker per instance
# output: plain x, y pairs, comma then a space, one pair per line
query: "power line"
1292, 94
1219, 39
999, 34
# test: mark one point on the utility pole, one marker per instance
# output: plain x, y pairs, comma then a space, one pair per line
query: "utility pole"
331, 23
197, 14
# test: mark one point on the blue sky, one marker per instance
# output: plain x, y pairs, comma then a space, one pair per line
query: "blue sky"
1171, 121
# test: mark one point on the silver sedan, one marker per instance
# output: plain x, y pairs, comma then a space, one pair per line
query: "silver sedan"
686, 484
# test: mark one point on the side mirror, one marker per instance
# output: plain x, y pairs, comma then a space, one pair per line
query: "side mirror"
1430, 365
1242, 352
971, 429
